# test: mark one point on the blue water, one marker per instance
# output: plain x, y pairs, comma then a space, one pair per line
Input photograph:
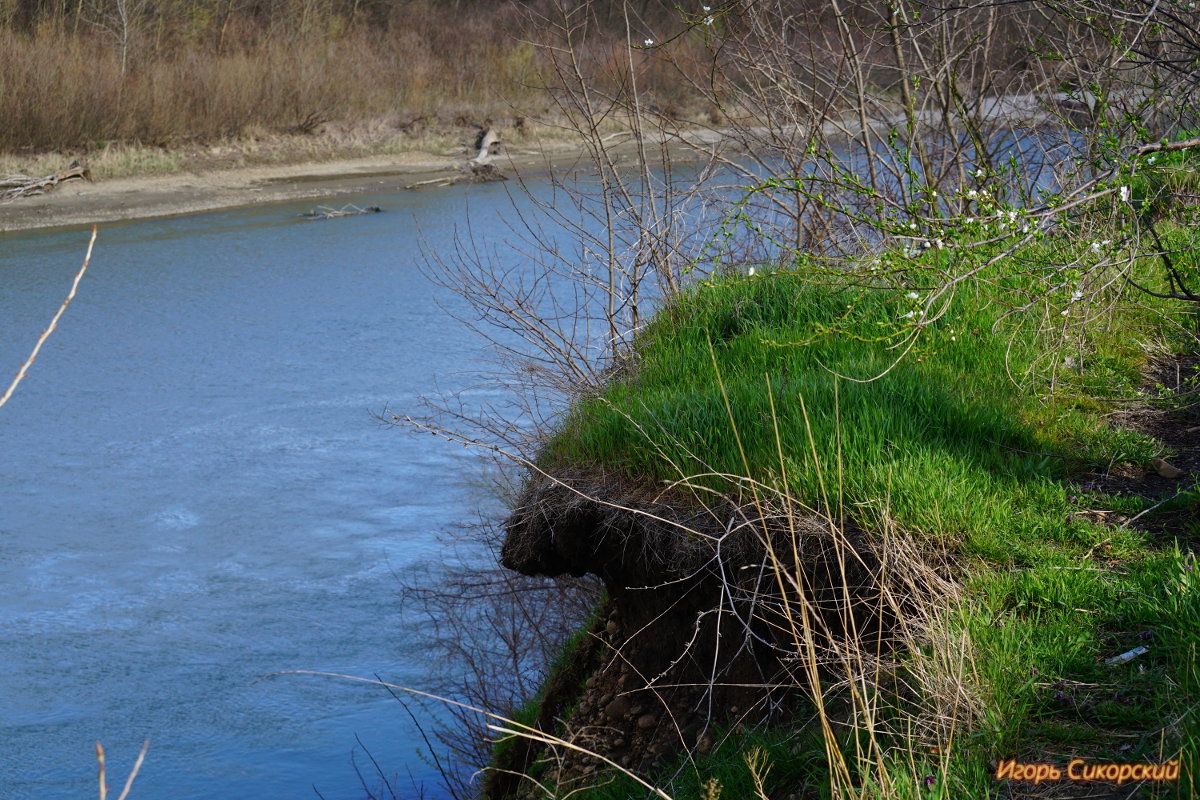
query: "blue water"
195, 493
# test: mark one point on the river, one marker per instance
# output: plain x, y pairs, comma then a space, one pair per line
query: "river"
195, 493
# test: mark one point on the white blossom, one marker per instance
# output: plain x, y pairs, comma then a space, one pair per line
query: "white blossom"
1124, 194
912, 296
648, 42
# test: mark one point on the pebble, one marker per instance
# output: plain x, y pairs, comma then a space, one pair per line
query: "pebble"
646, 721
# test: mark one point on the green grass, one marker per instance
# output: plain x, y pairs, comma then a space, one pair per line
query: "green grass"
963, 437
974, 441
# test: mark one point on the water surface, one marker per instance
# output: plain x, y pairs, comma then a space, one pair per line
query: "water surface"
195, 492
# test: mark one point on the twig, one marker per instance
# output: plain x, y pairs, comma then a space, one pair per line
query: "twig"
137, 765
21, 373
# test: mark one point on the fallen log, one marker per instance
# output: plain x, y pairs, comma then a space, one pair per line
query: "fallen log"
326, 212
488, 146
478, 169
15, 186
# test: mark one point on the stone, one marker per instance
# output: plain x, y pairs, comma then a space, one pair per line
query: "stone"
705, 744
1165, 469
612, 627
646, 721
617, 709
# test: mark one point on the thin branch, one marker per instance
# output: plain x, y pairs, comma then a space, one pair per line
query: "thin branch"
21, 373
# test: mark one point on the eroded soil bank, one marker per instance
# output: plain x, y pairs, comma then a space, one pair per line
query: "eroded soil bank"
696, 636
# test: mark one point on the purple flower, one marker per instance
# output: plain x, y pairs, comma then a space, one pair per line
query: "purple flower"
1144, 635
930, 780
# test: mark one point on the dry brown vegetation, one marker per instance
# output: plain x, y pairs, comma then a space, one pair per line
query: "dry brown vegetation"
82, 75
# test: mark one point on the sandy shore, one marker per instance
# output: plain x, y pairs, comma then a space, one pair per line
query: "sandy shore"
80, 203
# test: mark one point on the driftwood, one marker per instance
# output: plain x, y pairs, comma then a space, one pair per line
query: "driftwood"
478, 169
325, 212
15, 186
487, 147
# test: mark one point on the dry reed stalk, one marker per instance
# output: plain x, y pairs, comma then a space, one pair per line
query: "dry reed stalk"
24, 370
137, 766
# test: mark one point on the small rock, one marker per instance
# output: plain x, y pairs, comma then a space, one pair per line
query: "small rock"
617, 709
1166, 470
611, 627
638, 709
705, 744
591, 682
646, 721
618, 743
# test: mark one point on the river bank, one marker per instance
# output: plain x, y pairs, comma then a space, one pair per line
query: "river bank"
147, 183
999, 552
193, 191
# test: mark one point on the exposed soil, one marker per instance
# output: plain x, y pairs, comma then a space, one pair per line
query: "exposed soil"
692, 639
1174, 421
